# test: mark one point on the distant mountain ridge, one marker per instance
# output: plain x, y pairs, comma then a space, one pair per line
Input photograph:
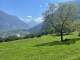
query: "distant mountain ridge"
12, 25
10, 22
36, 29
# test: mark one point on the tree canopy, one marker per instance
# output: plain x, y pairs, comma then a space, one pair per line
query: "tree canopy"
59, 18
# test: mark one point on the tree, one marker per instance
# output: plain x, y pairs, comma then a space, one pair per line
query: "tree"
60, 17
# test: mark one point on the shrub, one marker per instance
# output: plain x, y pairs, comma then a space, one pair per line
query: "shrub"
1, 39
11, 38
79, 34
38, 35
29, 36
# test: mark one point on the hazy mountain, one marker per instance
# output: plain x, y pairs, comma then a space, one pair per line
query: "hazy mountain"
10, 22
32, 21
36, 29
12, 25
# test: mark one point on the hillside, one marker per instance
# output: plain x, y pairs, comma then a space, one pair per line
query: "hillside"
36, 29
44, 48
10, 22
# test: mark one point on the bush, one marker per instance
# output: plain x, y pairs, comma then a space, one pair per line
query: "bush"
79, 34
1, 39
38, 35
11, 38
29, 36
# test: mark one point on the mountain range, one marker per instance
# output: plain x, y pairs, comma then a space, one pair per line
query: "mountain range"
11, 25
10, 22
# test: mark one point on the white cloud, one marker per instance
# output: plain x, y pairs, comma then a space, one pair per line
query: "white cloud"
39, 19
26, 19
29, 16
30, 19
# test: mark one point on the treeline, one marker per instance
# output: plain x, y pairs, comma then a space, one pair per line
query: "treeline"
14, 37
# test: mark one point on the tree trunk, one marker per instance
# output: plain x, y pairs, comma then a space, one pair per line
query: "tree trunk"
61, 36
62, 31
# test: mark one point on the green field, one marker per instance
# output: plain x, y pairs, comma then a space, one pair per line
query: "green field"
44, 48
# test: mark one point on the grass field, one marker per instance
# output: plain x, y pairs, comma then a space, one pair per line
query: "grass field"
44, 48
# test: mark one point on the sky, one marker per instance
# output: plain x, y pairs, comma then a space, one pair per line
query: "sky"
26, 8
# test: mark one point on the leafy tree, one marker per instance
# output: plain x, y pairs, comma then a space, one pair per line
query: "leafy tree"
59, 18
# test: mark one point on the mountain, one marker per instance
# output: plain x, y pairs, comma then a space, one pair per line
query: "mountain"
36, 29
32, 21
22, 32
10, 22
12, 25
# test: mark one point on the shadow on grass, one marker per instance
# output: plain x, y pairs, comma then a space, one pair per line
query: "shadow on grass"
65, 42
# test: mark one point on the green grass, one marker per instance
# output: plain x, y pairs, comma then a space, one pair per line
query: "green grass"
43, 48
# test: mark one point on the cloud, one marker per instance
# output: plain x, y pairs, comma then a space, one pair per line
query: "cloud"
26, 19
29, 16
39, 20
30, 19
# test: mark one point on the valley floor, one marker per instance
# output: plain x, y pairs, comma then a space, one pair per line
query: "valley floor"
44, 48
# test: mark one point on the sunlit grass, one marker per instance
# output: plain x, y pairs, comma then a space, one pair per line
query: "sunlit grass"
32, 49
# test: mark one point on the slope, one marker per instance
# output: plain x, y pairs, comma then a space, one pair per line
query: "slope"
10, 22
43, 48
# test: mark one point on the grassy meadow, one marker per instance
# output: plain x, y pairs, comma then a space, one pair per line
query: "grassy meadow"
46, 47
